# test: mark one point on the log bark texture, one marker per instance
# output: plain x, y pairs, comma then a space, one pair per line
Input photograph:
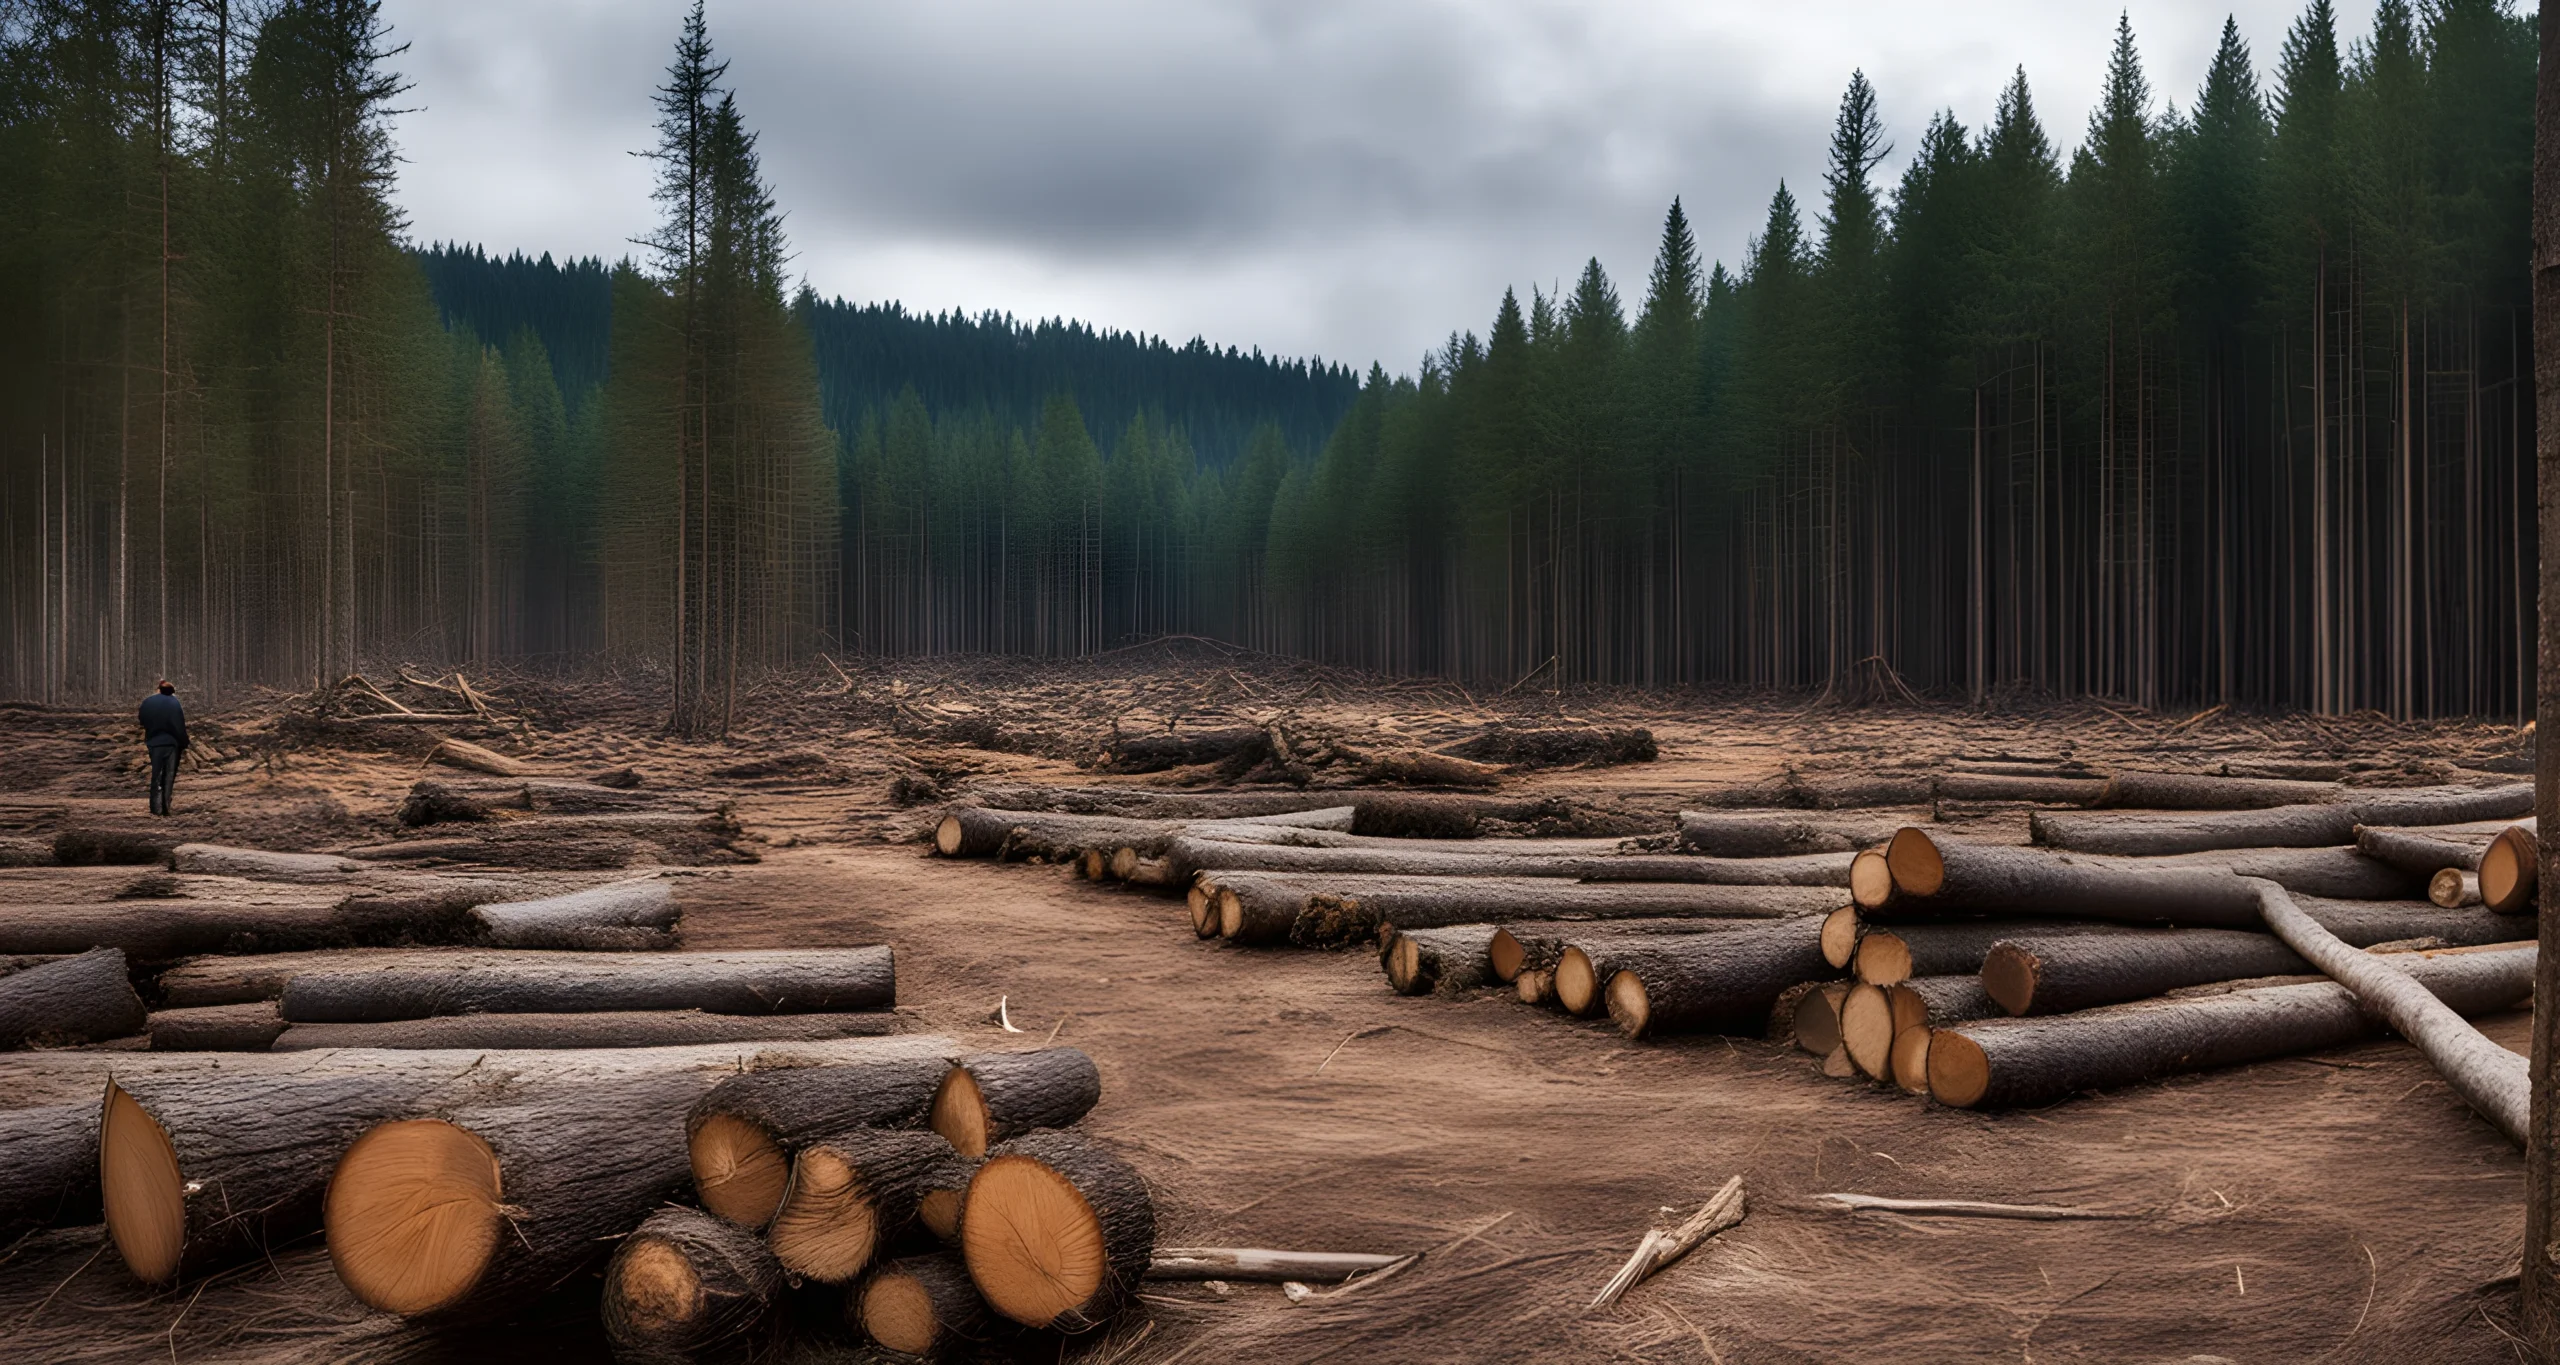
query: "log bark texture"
1540, 944
687, 1287
2319, 825
1933, 875
977, 832
239, 979
79, 999
638, 914
1772, 834
740, 1136
2031, 973
851, 1193
759, 981
1330, 909
1996, 1063
251, 1027
1886, 955
2419, 851
2207, 791
1723, 981
2489, 1077
1191, 854
48, 1168
1450, 960
262, 865
584, 1029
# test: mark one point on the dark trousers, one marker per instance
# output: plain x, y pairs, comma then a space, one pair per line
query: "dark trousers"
164, 776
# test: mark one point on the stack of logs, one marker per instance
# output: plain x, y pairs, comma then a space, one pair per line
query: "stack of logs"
2128, 940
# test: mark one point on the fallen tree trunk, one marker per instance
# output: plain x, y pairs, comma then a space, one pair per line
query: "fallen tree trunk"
977, 832
625, 915
759, 981
464, 754
2046, 791
216, 1028
1920, 1007
1724, 981
1996, 1063
238, 979
2206, 791
2031, 973
850, 1194
585, 1029
686, 1286
1932, 875
1146, 803
2491, 1079
2509, 869
1034, 1199
1874, 1018
2419, 851
1758, 834
1539, 944
159, 930
740, 1137
989, 1097
2453, 888
924, 1307
2311, 826
1807, 1014
80, 999
261, 865
1192, 855
1450, 960
1437, 815
48, 1168
1330, 909
1886, 956
524, 845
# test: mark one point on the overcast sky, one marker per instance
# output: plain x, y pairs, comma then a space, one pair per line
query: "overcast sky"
1345, 178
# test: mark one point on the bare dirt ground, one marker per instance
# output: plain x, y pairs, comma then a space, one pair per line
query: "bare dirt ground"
2338, 1207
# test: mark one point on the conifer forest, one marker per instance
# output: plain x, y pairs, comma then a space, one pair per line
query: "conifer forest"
2225, 397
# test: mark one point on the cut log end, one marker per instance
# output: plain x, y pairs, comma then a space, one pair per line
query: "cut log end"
1883, 959
960, 1113
1959, 1073
1911, 1059
1871, 879
1404, 967
826, 1228
1534, 986
1094, 865
1039, 1251
1204, 911
898, 1313
655, 1289
1578, 986
414, 1215
739, 1171
939, 1211
1913, 866
1840, 927
1507, 955
2508, 871
947, 837
2009, 977
1629, 1006
1230, 914
1866, 1029
688, 1286
2451, 888
142, 1189
1816, 1025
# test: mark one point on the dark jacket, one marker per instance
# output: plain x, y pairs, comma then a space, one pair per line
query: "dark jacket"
164, 722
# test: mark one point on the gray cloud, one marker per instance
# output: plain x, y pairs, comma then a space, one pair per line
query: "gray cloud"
1353, 178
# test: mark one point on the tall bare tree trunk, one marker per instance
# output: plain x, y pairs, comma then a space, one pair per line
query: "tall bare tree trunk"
2541, 1276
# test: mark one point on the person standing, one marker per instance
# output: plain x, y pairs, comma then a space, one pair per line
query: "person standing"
164, 729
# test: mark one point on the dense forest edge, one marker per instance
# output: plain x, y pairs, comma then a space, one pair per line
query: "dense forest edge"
2230, 403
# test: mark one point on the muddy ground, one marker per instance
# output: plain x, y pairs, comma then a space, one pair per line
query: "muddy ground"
2338, 1207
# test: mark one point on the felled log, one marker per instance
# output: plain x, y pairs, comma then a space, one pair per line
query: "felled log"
850, 1193
740, 1137
527, 844
2320, 825
988, 1097
79, 999
1438, 815
1557, 746
685, 1287
464, 754
1155, 752
48, 1168
623, 915
978, 832
238, 979
1146, 803
1932, 875
2491, 1079
261, 864
1320, 910
1540, 944
1807, 1014
1719, 981
2509, 867
1873, 1019
2452, 888
1770, 834
751, 981
2421, 851
941, 1195
922, 1306
2031, 973
1447, 961
1888, 955
2207, 791
1192, 854
1995, 1063
1419, 768
251, 1027
585, 1029
159, 930
1058, 1230
2049, 791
